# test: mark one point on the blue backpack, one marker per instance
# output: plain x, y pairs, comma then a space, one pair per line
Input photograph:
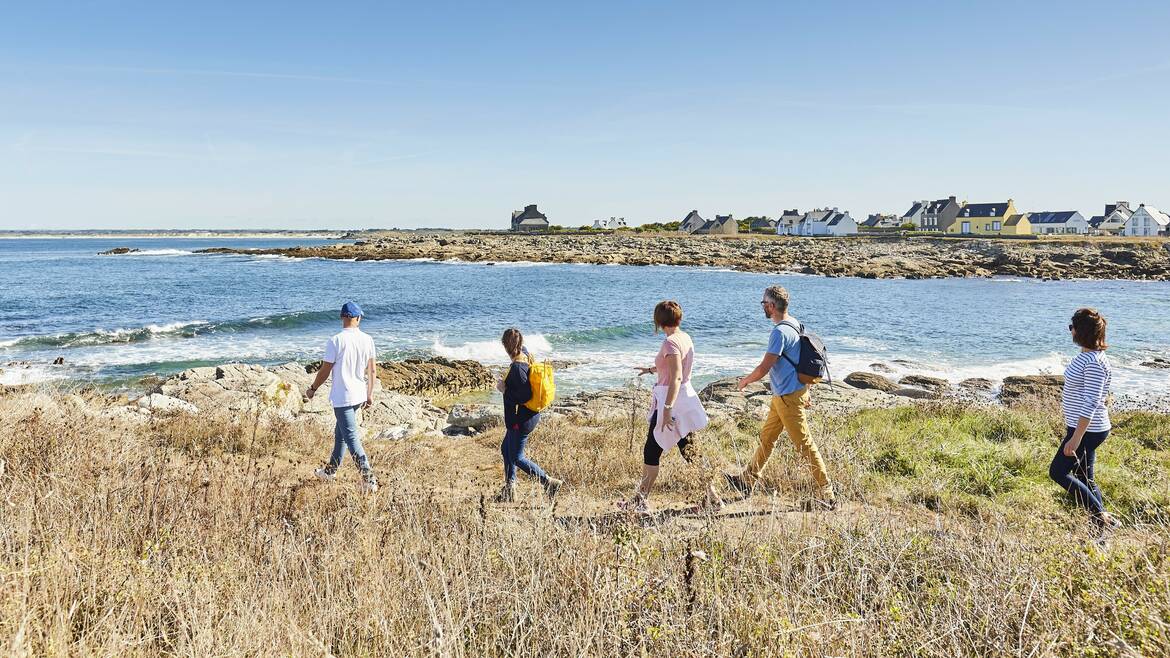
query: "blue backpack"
814, 358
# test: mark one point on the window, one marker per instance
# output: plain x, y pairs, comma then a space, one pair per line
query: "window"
995, 226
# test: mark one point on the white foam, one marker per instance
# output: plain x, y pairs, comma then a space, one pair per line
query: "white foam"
18, 375
489, 351
160, 252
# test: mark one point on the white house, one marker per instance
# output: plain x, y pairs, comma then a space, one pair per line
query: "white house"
789, 219
1113, 221
827, 222
1059, 222
1146, 221
610, 224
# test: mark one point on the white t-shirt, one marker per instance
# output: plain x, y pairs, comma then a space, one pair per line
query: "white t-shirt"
350, 352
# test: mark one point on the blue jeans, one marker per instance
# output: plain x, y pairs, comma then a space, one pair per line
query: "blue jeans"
346, 435
1075, 474
513, 450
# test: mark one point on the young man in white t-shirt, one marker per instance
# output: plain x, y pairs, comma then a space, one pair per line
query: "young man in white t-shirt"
349, 357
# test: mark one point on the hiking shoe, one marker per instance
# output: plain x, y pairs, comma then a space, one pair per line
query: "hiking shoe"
506, 495
327, 474
820, 505
739, 483
552, 487
369, 482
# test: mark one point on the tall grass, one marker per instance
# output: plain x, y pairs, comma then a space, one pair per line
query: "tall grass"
203, 536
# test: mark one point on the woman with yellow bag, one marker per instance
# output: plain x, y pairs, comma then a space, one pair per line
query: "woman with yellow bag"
519, 420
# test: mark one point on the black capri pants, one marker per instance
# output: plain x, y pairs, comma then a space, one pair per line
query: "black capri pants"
652, 452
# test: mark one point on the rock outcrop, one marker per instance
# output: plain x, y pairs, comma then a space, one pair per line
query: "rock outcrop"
251, 389
935, 384
1031, 388
978, 384
118, 251
436, 377
870, 380
859, 256
476, 417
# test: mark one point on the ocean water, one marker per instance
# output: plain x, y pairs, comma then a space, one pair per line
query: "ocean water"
116, 319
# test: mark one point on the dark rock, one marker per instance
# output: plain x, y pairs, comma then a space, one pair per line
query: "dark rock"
881, 367
977, 384
923, 381
870, 380
118, 251
1031, 388
59, 361
1158, 363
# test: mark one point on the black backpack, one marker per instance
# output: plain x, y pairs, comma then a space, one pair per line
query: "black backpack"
814, 358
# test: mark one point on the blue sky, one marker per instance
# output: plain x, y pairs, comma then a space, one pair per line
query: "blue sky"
330, 115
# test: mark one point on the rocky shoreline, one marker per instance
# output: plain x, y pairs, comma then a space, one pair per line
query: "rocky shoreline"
865, 257
430, 396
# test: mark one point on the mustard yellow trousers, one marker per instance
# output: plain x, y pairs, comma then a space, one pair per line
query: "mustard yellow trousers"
787, 413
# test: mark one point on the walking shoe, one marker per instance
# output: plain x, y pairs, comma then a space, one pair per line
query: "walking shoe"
739, 483
327, 474
552, 487
506, 495
369, 482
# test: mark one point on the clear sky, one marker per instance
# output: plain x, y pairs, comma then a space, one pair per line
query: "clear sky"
351, 115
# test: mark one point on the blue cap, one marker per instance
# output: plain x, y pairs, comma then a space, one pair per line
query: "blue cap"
351, 310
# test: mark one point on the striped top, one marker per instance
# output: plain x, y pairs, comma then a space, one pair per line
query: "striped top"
1086, 383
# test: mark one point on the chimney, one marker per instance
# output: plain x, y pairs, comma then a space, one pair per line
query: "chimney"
952, 197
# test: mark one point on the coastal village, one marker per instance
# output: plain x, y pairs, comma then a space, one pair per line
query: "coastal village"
948, 216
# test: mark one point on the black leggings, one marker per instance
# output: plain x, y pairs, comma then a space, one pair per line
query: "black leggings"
652, 452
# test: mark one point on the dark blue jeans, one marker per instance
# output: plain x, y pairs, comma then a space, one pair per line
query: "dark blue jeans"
1075, 474
346, 435
515, 439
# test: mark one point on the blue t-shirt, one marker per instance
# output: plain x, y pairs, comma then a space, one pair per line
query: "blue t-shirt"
784, 342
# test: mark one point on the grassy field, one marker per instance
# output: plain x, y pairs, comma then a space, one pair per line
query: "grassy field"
201, 536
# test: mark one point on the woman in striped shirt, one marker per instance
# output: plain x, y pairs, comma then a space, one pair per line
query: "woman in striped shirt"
1086, 384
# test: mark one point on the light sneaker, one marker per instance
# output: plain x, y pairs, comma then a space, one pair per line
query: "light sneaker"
369, 482
552, 487
326, 474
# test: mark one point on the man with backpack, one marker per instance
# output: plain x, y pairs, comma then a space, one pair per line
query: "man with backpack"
790, 373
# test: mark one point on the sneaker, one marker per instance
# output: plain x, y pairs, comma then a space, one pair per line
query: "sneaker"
552, 487
327, 474
369, 482
738, 483
507, 494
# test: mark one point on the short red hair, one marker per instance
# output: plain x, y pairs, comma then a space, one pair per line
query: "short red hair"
667, 314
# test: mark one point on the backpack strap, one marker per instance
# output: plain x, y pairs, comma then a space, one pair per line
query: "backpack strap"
799, 332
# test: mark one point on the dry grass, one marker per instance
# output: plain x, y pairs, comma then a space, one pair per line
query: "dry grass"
196, 537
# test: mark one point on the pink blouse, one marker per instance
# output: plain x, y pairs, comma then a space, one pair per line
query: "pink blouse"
679, 343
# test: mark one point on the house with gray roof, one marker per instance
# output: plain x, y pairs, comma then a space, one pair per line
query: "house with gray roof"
1058, 222
762, 225
880, 221
721, 225
1113, 220
827, 221
786, 224
528, 220
935, 215
692, 222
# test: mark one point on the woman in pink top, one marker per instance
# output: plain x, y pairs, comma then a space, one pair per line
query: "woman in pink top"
676, 411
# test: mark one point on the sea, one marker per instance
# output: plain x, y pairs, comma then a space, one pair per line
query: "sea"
115, 320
